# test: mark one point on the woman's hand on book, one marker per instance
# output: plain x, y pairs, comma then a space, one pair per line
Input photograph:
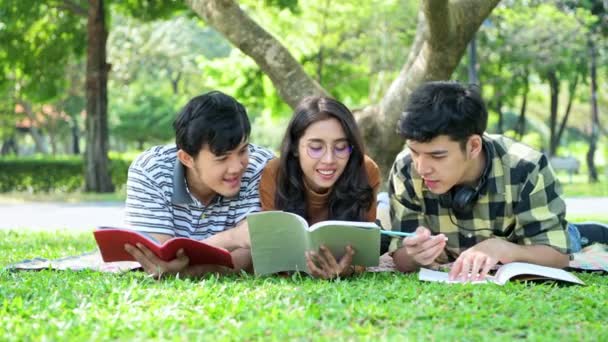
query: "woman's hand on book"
323, 264
154, 266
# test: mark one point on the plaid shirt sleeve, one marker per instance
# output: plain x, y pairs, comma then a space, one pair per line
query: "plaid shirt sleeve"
405, 205
540, 211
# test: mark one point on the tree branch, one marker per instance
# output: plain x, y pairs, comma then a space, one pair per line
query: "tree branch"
274, 59
73, 7
437, 13
443, 32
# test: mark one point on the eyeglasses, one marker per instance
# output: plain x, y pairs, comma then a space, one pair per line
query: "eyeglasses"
317, 151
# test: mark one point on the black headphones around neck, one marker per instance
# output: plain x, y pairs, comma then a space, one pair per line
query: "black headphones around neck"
462, 198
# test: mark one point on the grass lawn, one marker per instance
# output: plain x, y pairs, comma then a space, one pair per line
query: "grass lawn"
580, 187
67, 197
85, 305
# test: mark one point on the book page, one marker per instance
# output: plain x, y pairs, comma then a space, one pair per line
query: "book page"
364, 237
361, 224
513, 269
278, 242
426, 274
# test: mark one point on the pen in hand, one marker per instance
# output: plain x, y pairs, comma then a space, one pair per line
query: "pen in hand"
401, 234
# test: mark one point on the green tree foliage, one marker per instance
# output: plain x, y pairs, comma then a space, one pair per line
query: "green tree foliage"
38, 38
143, 112
524, 43
169, 50
155, 70
148, 9
353, 49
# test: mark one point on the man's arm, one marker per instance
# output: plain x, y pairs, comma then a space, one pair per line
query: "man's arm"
238, 237
540, 236
407, 215
232, 239
537, 254
477, 261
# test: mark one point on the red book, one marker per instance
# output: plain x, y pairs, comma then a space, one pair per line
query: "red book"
111, 242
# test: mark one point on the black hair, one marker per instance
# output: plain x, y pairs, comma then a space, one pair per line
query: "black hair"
213, 119
443, 108
351, 196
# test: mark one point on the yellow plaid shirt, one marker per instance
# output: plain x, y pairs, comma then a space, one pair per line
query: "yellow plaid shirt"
520, 202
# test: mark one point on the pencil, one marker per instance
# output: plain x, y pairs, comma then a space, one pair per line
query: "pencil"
403, 234
394, 233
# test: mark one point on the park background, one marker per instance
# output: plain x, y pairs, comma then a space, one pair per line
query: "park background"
88, 85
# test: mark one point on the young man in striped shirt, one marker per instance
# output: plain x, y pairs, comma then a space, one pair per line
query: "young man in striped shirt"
202, 187
473, 198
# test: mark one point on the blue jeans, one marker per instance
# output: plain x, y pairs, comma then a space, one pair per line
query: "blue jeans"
575, 238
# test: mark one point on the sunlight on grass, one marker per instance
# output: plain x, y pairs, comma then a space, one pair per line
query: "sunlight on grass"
580, 187
600, 217
67, 197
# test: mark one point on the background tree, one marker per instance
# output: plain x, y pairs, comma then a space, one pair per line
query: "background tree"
597, 25
38, 37
443, 32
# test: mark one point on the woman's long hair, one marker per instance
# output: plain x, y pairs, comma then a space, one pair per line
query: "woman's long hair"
351, 196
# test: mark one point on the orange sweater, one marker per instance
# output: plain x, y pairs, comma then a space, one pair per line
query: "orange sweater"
317, 203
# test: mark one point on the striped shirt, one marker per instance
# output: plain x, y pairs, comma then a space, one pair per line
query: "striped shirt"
520, 202
158, 200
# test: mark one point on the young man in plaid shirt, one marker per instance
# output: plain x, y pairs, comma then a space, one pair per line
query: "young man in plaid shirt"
474, 198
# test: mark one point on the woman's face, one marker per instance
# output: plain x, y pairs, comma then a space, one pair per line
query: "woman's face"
323, 152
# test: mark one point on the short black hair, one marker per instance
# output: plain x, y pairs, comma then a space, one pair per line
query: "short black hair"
213, 119
443, 108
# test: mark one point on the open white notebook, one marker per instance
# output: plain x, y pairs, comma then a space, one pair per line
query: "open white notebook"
518, 270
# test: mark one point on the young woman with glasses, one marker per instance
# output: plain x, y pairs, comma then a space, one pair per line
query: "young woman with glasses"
323, 174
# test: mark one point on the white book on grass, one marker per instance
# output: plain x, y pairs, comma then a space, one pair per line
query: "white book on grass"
513, 270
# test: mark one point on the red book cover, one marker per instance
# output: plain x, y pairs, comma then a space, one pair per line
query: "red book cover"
111, 242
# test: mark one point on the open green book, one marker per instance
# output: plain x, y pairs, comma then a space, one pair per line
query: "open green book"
279, 240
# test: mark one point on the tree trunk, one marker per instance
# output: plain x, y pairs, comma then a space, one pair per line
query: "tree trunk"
321, 53
554, 96
521, 121
571, 93
9, 144
75, 136
443, 32
595, 121
501, 120
97, 164
39, 143
473, 78
175, 78
273, 58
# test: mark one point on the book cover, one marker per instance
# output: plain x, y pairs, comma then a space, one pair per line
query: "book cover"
111, 243
280, 239
510, 271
